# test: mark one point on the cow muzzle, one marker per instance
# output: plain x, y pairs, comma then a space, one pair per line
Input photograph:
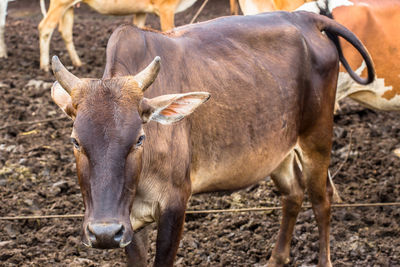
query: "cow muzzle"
106, 235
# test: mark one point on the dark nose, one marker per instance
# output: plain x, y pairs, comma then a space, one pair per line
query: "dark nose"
105, 235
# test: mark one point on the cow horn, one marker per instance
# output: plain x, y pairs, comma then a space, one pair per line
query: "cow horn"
66, 79
147, 76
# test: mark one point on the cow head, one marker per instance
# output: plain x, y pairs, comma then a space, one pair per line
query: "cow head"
108, 140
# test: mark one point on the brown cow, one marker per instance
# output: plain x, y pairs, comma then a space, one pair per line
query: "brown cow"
375, 22
62, 11
273, 93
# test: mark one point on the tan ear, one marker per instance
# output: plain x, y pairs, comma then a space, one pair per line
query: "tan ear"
62, 99
167, 109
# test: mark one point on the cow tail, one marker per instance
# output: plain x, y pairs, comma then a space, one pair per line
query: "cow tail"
333, 30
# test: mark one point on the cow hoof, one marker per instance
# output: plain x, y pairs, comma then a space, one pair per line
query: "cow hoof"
44, 68
278, 261
77, 63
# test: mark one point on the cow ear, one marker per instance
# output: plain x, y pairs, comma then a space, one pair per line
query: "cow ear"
63, 99
167, 109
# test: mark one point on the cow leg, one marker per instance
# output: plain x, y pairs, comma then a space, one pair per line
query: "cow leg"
288, 179
137, 250
167, 16
169, 233
46, 28
3, 13
66, 26
316, 160
234, 7
140, 19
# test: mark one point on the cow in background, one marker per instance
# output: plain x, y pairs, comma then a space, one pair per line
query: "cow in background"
62, 12
271, 113
376, 23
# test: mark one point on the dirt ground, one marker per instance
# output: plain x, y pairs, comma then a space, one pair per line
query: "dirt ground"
37, 172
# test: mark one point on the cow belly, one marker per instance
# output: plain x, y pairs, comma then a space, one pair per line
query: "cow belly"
239, 173
246, 141
120, 8
253, 7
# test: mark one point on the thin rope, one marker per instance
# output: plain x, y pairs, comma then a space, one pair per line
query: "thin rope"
347, 156
198, 11
32, 122
69, 216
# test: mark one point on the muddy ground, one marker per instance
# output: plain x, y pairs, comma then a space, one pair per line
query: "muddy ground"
37, 172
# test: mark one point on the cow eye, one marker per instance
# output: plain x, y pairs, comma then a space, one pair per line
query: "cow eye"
75, 143
140, 140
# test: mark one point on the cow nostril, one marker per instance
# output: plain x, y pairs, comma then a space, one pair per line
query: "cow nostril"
105, 235
119, 234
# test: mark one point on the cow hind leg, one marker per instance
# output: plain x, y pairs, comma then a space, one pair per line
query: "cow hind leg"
136, 251
65, 29
234, 7
139, 19
167, 17
288, 179
315, 163
46, 28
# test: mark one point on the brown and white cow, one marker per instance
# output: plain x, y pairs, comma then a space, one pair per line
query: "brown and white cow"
375, 22
62, 12
272, 78
252, 7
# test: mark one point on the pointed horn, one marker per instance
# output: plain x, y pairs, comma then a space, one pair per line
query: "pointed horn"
66, 79
147, 76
